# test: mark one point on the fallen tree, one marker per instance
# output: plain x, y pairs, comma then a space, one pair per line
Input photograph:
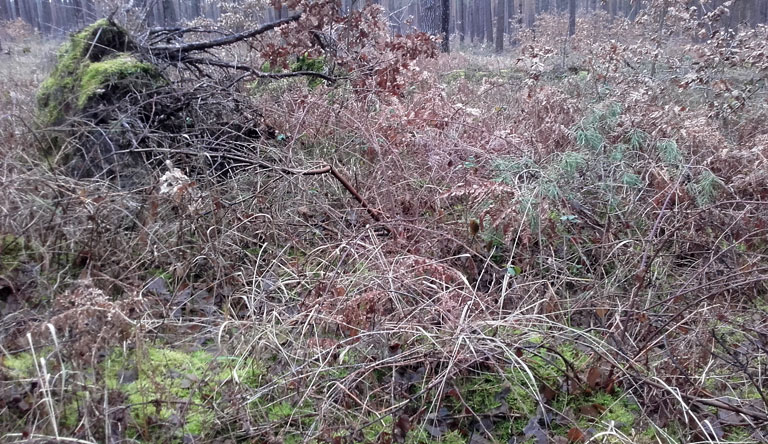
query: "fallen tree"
116, 106
112, 98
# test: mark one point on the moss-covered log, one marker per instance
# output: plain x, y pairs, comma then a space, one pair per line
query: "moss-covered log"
111, 104
98, 63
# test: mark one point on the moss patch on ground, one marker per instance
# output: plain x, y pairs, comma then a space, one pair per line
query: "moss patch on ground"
165, 386
12, 251
18, 365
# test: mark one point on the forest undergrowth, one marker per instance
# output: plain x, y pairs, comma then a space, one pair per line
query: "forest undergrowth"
566, 248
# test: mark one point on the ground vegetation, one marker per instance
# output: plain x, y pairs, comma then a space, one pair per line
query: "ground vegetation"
333, 233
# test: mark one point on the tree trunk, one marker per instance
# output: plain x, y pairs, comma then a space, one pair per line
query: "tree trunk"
21, 9
571, 18
763, 12
501, 19
659, 36
510, 21
429, 16
470, 28
394, 17
489, 22
169, 13
635, 8
530, 13
44, 8
17, 10
194, 8
77, 9
478, 26
445, 22
149, 13
55, 18
90, 11
754, 13
412, 10
33, 18
460, 17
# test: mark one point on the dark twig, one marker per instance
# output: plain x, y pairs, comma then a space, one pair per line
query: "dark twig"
736, 361
653, 338
634, 373
175, 52
710, 402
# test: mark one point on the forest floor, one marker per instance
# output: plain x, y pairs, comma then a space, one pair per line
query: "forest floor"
569, 250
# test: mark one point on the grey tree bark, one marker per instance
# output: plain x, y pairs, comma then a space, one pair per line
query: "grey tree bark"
5, 10
530, 13
194, 8
445, 24
488, 21
460, 17
429, 20
501, 19
169, 13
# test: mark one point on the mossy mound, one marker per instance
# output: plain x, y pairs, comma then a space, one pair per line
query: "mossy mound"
99, 79
109, 112
97, 65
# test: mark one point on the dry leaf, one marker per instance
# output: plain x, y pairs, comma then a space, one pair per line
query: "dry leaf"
594, 376
575, 435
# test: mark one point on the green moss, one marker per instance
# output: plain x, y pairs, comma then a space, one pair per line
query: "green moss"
372, 432
53, 97
192, 380
618, 410
313, 64
306, 63
455, 75
70, 414
159, 273
98, 75
19, 365
739, 434
93, 60
482, 393
12, 251
280, 411
420, 436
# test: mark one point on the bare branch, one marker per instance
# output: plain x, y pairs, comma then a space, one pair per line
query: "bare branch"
260, 74
375, 214
177, 51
